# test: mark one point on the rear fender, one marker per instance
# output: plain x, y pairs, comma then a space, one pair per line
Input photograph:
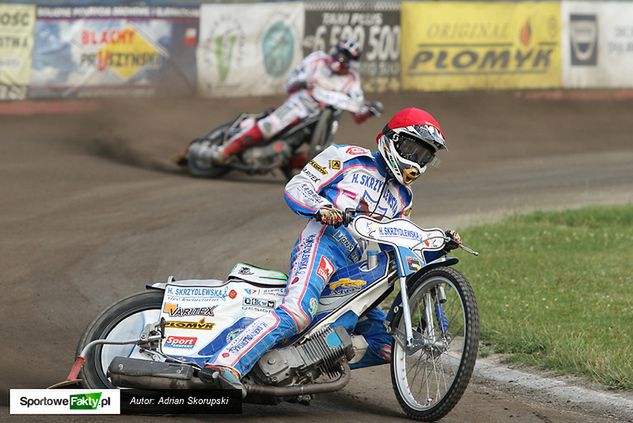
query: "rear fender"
160, 285
156, 285
412, 280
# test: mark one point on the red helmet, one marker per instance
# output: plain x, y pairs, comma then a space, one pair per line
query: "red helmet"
409, 142
343, 54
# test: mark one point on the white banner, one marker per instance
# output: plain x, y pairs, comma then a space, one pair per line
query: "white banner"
248, 49
597, 44
16, 45
65, 401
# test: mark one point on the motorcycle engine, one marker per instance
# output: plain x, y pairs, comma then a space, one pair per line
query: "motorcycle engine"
306, 361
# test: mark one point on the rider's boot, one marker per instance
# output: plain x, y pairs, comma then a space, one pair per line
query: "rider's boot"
237, 144
223, 377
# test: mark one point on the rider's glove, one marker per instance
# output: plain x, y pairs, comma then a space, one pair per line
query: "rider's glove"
330, 216
375, 108
454, 241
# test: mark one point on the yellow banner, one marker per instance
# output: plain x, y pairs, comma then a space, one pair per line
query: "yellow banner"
16, 44
457, 46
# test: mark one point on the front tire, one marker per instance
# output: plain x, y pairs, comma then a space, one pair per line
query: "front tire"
123, 320
428, 383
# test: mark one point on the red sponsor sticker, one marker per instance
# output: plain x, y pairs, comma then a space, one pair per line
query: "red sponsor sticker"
354, 151
180, 341
225, 355
295, 280
325, 270
232, 294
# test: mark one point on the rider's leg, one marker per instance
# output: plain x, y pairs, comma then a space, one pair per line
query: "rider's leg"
289, 113
313, 261
372, 327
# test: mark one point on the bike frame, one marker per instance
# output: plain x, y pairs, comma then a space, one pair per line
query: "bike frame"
406, 242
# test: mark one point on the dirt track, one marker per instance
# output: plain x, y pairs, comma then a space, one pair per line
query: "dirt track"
91, 210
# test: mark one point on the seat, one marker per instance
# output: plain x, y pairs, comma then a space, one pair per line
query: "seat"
257, 275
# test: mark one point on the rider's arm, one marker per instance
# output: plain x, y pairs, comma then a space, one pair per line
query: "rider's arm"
303, 191
355, 98
300, 77
361, 111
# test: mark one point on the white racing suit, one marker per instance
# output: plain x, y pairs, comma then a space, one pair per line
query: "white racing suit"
344, 177
314, 72
310, 85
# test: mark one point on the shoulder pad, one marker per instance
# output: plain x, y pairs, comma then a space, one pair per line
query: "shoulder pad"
352, 151
336, 154
316, 55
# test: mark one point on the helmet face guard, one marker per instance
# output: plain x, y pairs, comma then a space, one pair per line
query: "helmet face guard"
408, 150
343, 54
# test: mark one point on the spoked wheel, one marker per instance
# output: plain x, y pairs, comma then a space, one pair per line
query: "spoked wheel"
430, 379
123, 320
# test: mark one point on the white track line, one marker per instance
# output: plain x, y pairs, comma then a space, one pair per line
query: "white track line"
564, 390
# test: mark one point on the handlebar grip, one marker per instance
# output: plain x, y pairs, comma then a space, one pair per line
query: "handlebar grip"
348, 216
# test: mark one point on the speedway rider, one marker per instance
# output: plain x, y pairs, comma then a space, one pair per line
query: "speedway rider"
340, 177
333, 74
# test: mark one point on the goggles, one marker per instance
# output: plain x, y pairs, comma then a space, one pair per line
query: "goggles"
415, 151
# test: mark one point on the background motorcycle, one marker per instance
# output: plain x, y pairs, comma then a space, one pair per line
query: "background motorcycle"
315, 131
151, 341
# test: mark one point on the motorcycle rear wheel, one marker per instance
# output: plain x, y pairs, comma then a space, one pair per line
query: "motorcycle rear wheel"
123, 320
199, 166
428, 383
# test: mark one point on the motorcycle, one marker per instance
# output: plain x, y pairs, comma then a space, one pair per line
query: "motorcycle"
162, 337
317, 131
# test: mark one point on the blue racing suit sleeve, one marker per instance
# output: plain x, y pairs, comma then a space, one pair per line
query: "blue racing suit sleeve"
303, 191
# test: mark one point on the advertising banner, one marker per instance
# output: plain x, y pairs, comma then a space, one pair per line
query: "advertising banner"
597, 44
106, 51
376, 27
248, 49
459, 46
16, 44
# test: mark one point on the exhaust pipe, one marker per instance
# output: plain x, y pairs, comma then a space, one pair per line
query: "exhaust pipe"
144, 374
313, 388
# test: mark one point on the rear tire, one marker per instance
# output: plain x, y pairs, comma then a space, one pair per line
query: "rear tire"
442, 373
201, 164
123, 320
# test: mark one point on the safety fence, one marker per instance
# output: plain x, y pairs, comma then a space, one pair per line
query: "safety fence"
233, 49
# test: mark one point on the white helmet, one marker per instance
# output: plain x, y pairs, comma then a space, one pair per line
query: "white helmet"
344, 54
409, 142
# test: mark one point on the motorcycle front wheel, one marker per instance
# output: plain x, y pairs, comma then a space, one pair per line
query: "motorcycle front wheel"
123, 320
429, 381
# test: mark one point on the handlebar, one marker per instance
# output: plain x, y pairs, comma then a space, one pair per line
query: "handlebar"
350, 213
